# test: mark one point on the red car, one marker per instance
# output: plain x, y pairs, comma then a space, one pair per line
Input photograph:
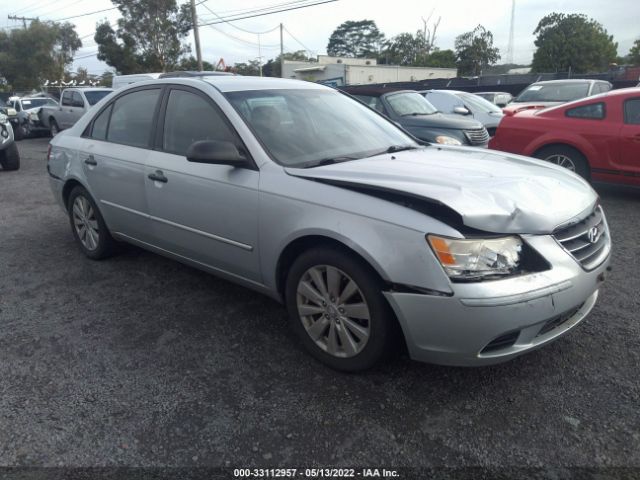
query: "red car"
597, 137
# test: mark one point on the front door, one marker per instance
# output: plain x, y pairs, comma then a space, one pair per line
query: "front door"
629, 156
203, 212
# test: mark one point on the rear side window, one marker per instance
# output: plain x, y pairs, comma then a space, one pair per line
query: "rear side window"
190, 118
632, 111
101, 123
594, 111
132, 118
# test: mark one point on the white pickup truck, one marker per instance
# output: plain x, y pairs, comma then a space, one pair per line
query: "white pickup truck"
74, 102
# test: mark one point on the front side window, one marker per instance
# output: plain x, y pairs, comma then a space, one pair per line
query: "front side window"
410, 103
132, 118
302, 127
444, 102
478, 103
632, 111
593, 111
191, 118
372, 102
66, 98
77, 100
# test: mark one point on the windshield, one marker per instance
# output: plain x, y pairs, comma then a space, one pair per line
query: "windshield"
300, 128
410, 103
96, 95
478, 103
37, 102
553, 92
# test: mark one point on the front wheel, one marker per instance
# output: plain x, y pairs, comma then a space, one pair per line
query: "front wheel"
567, 157
10, 157
88, 226
337, 310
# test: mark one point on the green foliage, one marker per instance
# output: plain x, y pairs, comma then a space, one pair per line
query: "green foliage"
573, 42
29, 56
252, 67
272, 67
148, 37
358, 39
106, 79
634, 53
441, 59
475, 50
191, 64
405, 49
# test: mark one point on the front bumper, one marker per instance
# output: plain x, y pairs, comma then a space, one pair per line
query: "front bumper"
494, 321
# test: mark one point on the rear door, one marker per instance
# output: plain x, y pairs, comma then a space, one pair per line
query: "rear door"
629, 157
203, 212
114, 156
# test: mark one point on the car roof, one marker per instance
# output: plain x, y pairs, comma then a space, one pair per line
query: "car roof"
568, 80
495, 93
190, 73
373, 91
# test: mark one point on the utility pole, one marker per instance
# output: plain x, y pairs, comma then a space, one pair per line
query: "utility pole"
196, 34
23, 19
281, 53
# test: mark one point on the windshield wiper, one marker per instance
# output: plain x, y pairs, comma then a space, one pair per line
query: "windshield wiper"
393, 149
329, 161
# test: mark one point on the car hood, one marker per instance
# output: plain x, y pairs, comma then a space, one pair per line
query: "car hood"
489, 190
439, 120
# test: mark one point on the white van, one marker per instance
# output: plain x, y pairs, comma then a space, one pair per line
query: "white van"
122, 80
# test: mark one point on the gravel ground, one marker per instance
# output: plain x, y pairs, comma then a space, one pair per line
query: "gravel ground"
141, 361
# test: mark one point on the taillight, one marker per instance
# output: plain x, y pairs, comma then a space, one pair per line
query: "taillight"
49, 152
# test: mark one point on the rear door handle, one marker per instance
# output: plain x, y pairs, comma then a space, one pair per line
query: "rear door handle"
91, 161
158, 176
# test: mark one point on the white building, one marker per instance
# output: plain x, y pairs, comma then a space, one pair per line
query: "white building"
359, 71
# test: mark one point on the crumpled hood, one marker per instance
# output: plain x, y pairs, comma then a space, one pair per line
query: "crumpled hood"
491, 191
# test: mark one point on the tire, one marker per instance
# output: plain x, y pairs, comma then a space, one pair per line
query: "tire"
10, 157
343, 319
88, 226
53, 127
567, 157
17, 133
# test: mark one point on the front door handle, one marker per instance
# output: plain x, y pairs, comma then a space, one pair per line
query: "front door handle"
91, 161
158, 176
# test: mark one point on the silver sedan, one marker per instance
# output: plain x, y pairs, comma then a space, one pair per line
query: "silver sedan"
375, 242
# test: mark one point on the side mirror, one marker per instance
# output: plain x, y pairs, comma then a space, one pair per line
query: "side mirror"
461, 110
219, 153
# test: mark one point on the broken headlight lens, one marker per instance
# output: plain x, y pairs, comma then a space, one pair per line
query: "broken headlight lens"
3, 118
466, 259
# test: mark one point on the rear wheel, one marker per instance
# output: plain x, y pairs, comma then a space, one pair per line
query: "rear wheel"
567, 157
88, 226
10, 157
337, 310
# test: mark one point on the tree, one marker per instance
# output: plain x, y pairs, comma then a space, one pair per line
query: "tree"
441, 59
355, 39
106, 79
634, 53
43, 50
272, 67
148, 37
405, 49
573, 42
191, 64
252, 67
475, 50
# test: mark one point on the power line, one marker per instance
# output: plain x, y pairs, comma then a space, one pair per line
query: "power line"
235, 26
302, 44
227, 19
84, 14
59, 7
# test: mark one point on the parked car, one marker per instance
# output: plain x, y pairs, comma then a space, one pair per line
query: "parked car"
420, 118
9, 155
74, 102
468, 256
556, 92
28, 108
501, 99
11, 114
119, 81
597, 137
454, 102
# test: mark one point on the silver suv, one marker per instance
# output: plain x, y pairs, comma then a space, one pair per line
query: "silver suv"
372, 239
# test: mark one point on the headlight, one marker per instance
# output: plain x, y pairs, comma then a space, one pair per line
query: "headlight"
33, 116
473, 258
3, 118
444, 140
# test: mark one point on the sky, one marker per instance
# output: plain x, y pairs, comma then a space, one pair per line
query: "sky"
309, 28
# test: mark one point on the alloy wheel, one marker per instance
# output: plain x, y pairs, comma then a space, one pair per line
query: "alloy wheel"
562, 161
333, 311
85, 223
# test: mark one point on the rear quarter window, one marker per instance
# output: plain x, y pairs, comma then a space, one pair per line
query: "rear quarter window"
593, 111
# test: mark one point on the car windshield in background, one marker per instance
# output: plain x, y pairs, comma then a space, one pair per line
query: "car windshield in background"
37, 102
410, 103
565, 92
95, 96
302, 128
478, 103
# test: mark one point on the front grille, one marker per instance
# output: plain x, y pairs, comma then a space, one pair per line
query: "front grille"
477, 136
503, 341
587, 241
